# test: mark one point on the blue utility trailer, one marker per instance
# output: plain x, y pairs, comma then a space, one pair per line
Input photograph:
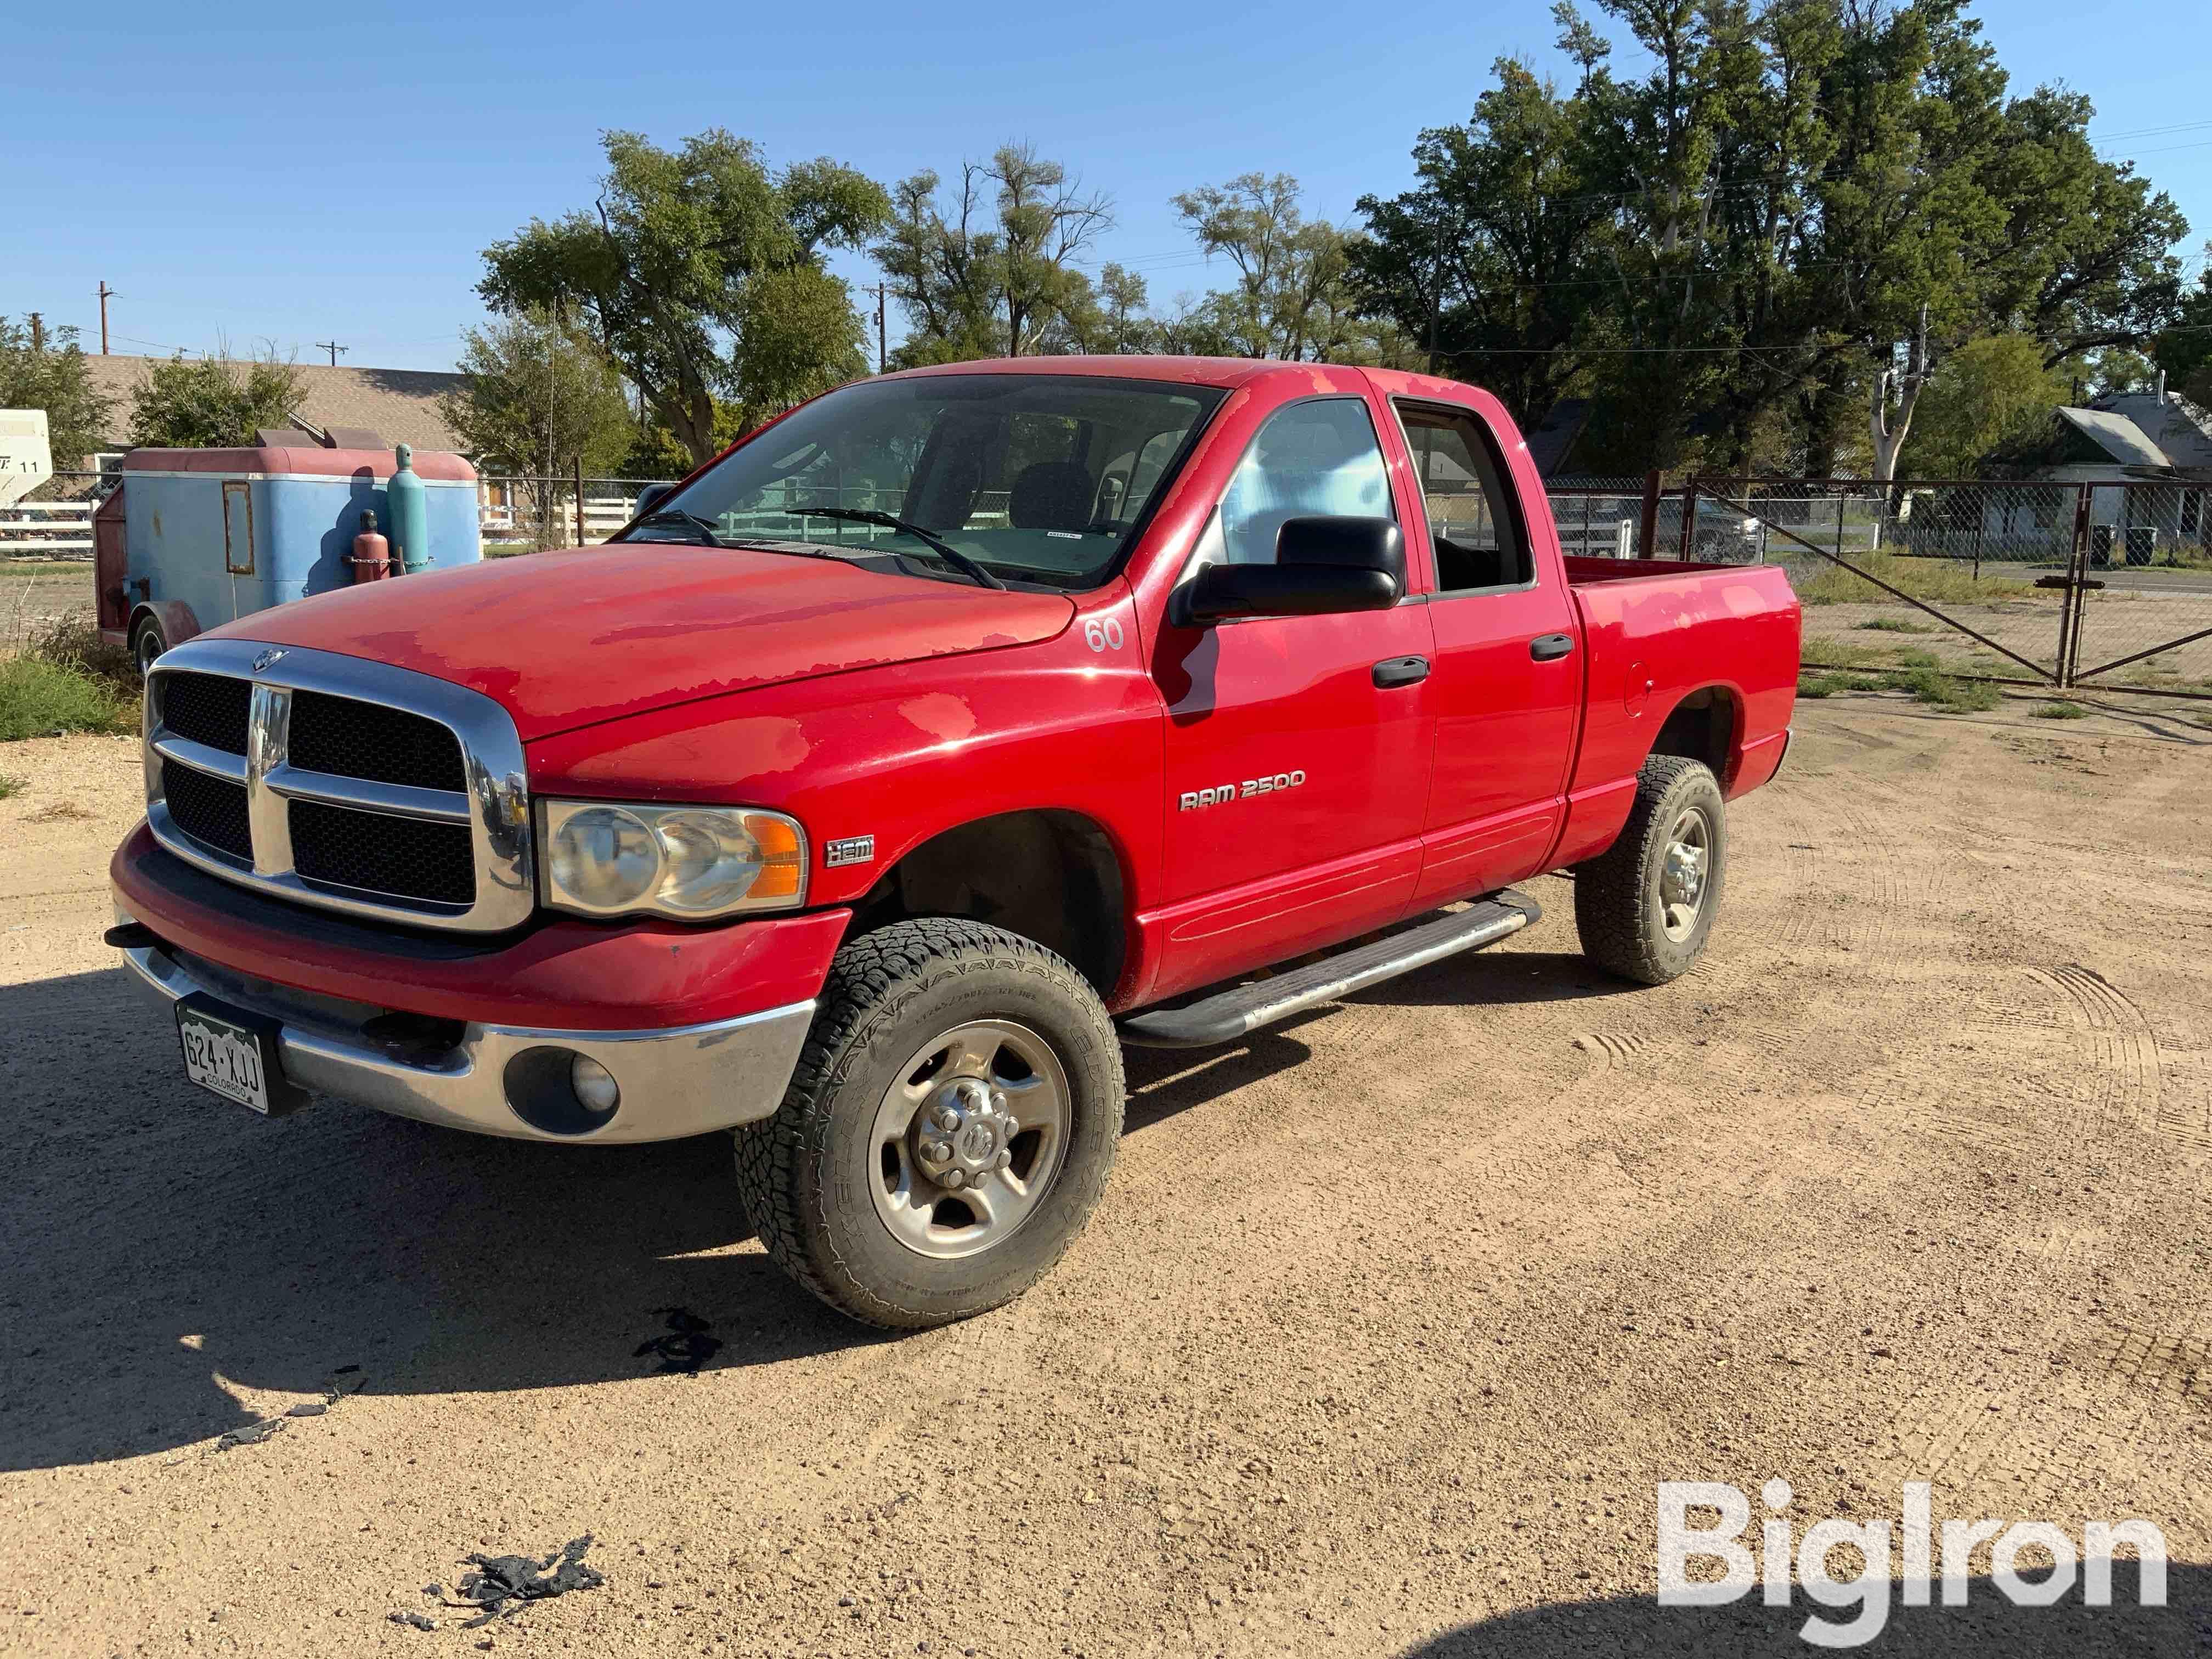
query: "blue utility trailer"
196, 537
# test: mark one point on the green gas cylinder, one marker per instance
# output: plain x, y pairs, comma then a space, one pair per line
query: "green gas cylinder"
408, 517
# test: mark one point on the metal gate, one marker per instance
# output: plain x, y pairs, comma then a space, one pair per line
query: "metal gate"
2097, 583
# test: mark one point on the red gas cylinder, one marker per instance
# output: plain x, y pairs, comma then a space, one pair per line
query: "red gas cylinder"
372, 553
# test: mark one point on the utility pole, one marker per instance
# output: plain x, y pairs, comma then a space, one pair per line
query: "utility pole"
333, 349
881, 290
105, 295
38, 333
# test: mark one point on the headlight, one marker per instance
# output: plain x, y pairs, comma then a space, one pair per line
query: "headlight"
690, 862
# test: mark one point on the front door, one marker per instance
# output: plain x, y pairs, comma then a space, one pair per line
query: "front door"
1297, 773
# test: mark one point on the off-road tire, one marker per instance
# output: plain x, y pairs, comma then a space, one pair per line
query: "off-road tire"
801, 1173
1617, 908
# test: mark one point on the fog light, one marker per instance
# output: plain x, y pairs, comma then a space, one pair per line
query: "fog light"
594, 1084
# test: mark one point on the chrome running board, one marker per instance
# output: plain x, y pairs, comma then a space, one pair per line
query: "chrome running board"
1228, 1015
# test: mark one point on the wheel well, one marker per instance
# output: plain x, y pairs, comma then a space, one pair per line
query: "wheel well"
1702, 727
1049, 876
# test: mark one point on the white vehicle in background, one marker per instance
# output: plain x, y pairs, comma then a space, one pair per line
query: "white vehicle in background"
26, 457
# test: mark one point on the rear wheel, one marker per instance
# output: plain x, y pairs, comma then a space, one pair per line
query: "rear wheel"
146, 642
1644, 907
950, 1127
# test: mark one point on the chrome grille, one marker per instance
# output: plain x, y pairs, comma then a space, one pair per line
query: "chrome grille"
349, 784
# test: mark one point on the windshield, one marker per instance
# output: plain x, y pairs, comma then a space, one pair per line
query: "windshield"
1038, 477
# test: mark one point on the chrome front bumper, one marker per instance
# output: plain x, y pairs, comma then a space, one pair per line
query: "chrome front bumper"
684, 1080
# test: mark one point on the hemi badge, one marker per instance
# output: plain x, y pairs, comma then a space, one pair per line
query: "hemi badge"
854, 849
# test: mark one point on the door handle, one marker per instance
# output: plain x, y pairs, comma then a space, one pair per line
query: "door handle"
1547, 647
1401, 670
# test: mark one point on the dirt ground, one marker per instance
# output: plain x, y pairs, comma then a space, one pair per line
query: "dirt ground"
36, 594
1390, 1323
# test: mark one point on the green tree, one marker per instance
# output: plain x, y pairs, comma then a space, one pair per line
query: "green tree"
213, 401
1109, 317
2183, 349
1491, 263
1758, 249
535, 401
1294, 296
1987, 393
700, 275
43, 370
991, 271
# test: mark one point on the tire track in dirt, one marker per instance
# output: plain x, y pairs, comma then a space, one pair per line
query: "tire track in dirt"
2121, 1056
2093, 1058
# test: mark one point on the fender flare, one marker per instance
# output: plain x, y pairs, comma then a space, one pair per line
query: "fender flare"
174, 617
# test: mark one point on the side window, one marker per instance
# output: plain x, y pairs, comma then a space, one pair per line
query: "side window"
1320, 457
1474, 525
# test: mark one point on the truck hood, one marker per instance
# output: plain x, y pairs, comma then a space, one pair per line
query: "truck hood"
564, 640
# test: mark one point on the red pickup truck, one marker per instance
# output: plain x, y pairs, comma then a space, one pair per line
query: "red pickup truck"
871, 788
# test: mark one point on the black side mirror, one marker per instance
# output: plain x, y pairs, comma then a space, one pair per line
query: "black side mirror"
650, 496
1323, 566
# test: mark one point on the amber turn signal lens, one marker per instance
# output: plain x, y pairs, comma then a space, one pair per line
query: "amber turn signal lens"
782, 858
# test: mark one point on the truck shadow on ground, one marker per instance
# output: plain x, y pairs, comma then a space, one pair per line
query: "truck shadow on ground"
1500, 976
1987, 1626
179, 1268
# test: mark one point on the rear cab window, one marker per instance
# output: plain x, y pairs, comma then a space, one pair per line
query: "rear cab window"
1477, 532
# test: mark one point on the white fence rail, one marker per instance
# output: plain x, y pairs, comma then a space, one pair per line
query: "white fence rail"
603, 516
46, 530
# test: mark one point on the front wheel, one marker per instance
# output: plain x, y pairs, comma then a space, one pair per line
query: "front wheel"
948, 1131
1644, 906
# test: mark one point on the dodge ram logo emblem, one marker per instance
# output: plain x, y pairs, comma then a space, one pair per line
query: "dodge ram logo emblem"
267, 660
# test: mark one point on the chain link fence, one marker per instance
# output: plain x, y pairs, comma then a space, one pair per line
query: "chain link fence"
2100, 581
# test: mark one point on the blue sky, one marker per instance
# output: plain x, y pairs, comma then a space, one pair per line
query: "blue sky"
336, 177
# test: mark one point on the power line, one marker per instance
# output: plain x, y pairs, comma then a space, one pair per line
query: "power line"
188, 351
334, 348
2153, 132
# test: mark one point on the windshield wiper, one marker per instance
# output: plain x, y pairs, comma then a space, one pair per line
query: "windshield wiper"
677, 516
951, 555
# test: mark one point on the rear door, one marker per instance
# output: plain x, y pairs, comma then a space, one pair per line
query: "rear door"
1508, 686
1297, 773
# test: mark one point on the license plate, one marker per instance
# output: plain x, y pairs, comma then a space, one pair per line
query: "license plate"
233, 1053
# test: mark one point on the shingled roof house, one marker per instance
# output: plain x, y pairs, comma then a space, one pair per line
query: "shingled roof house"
2146, 457
399, 405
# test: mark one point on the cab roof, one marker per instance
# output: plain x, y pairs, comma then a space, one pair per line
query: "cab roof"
1225, 372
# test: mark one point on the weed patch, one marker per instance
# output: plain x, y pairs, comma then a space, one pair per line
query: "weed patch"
1952, 696
1932, 581
39, 698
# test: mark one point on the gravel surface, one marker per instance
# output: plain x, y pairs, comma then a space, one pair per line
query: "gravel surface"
1389, 1324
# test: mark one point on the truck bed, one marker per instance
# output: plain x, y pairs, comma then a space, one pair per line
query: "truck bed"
1586, 572
1660, 630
